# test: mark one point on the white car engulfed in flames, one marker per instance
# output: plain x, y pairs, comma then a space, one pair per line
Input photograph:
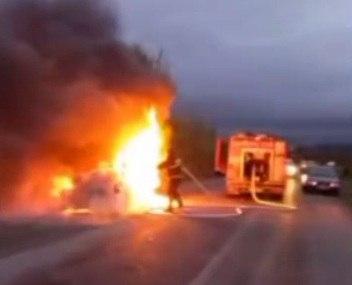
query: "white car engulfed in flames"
130, 183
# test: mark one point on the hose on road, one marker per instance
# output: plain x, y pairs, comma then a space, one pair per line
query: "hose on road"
195, 180
287, 204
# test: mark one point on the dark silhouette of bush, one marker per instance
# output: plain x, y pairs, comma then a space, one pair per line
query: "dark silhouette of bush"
340, 153
194, 142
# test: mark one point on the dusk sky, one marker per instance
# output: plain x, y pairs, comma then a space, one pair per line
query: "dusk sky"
239, 60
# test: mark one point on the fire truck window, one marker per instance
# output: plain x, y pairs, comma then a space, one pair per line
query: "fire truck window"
248, 165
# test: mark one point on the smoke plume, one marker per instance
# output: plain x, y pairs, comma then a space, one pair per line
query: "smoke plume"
68, 84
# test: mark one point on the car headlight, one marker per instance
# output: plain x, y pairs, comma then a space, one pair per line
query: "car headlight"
311, 182
304, 178
335, 184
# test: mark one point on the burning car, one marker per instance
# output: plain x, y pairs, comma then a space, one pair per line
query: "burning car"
88, 98
127, 184
98, 192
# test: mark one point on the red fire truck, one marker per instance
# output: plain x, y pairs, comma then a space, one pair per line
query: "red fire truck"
238, 155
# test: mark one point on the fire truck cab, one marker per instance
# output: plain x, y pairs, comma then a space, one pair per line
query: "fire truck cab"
244, 154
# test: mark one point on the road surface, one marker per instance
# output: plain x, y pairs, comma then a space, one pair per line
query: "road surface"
209, 244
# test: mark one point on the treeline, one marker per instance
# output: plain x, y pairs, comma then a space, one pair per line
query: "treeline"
194, 142
340, 153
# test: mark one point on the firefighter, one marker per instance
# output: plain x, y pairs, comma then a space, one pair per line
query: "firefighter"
173, 166
260, 170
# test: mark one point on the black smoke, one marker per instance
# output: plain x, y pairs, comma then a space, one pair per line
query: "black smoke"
63, 66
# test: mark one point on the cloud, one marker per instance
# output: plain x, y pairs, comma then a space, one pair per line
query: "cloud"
274, 59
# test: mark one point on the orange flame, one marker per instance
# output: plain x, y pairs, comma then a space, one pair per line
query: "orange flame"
137, 164
61, 185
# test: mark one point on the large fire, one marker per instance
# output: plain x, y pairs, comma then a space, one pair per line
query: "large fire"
140, 148
103, 120
137, 163
61, 185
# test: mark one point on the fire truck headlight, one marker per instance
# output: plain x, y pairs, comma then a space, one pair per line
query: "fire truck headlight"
291, 170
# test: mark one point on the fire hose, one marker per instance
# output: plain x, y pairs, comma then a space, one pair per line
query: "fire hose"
253, 191
195, 180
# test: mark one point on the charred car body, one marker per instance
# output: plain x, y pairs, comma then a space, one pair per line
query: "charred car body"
99, 192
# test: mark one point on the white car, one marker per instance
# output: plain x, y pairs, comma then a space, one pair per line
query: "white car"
100, 193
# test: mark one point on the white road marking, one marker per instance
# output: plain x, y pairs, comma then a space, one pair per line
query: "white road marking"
209, 270
262, 207
204, 213
237, 212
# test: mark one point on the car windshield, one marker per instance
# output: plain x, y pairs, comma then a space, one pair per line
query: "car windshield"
323, 172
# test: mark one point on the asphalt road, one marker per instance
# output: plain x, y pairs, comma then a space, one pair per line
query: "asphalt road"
213, 244
19, 235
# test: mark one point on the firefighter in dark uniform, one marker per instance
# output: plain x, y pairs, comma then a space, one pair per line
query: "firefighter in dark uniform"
173, 166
